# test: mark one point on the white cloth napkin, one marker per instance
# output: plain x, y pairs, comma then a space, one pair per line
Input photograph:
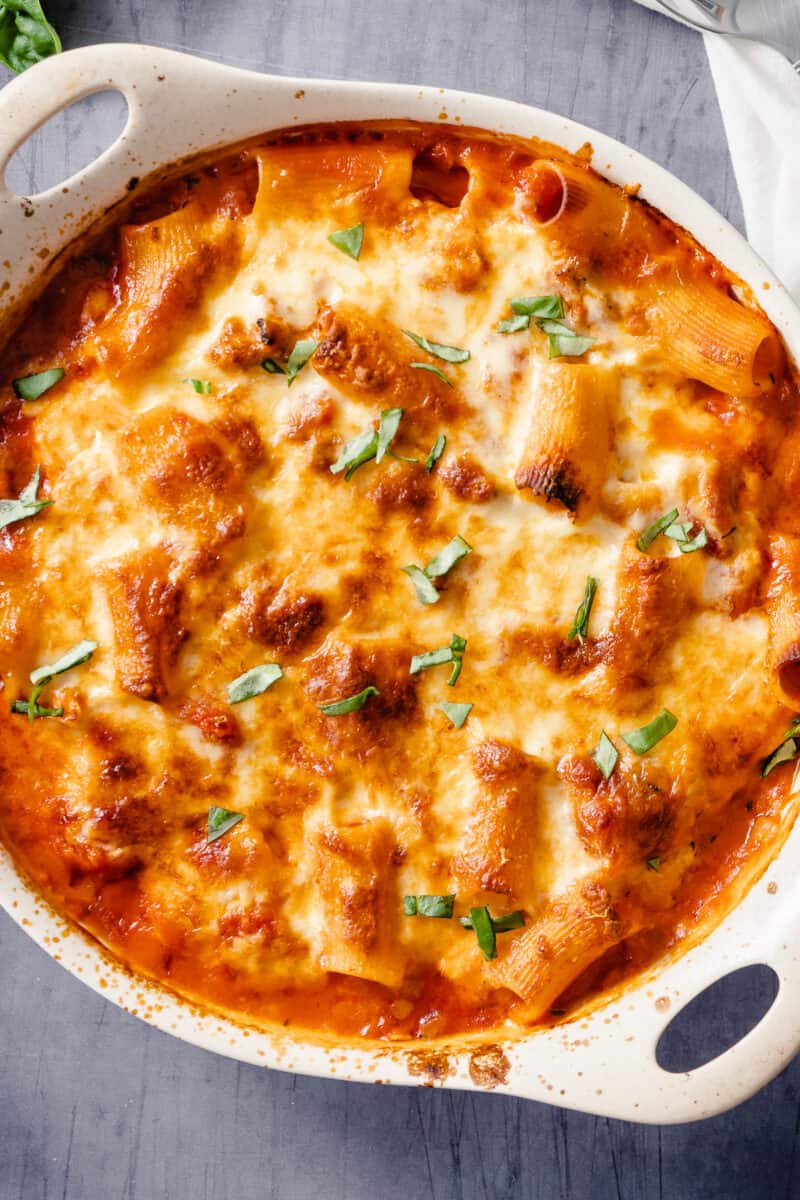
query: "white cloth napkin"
759, 95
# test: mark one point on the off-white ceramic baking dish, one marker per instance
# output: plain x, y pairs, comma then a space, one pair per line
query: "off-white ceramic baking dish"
605, 1062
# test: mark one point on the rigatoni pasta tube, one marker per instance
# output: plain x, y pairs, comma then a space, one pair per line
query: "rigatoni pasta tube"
571, 933
705, 334
783, 607
352, 873
569, 436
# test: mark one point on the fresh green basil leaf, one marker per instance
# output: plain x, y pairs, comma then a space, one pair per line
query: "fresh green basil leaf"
31, 387
642, 740
454, 653
26, 506
352, 704
427, 593
484, 931
387, 430
605, 755
580, 625
73, 658
302, 352
447, 557
678, 531
785, 752
650, 534
360, 450
35, 710
253, 682
654, 863
433, 370
220, 820
26, 36
428, 906
272, 367
436, 452
451, 354
349, 241
543, 307
514, 324
431, 658
696, 543
570, 345
512, 920
201, 386
457, 713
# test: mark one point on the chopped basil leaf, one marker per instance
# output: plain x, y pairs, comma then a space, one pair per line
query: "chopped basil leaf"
253, 682
512, 920
654, 863
785, 751
220, 820
361, 449
451, 354
538, 306
431, 658
349, 241
581, 623
457, 713
201, 386
26, 36
427, 593
569, 345
651, 533
433, 370
642, 740
447, 557
272, 367
26, 506
605, 755
32, 711
437, 450
73, 658
484, 931
679, 531
454, 653
302, 352
351, 704
428, 906
697, 543
31, 387
387, 430
514, 324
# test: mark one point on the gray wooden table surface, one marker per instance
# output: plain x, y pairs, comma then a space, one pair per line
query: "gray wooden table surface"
97, 1106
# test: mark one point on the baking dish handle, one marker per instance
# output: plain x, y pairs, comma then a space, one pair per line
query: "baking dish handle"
155, 84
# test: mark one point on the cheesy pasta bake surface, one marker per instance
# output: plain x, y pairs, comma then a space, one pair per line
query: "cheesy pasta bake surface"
400, 611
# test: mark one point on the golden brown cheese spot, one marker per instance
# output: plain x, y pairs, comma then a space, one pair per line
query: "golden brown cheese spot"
215, 721
145, 609
313, 415
280, 619
339, 670
242, 434
402, 487
239, 347
184, 472
466, 479
629, 816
